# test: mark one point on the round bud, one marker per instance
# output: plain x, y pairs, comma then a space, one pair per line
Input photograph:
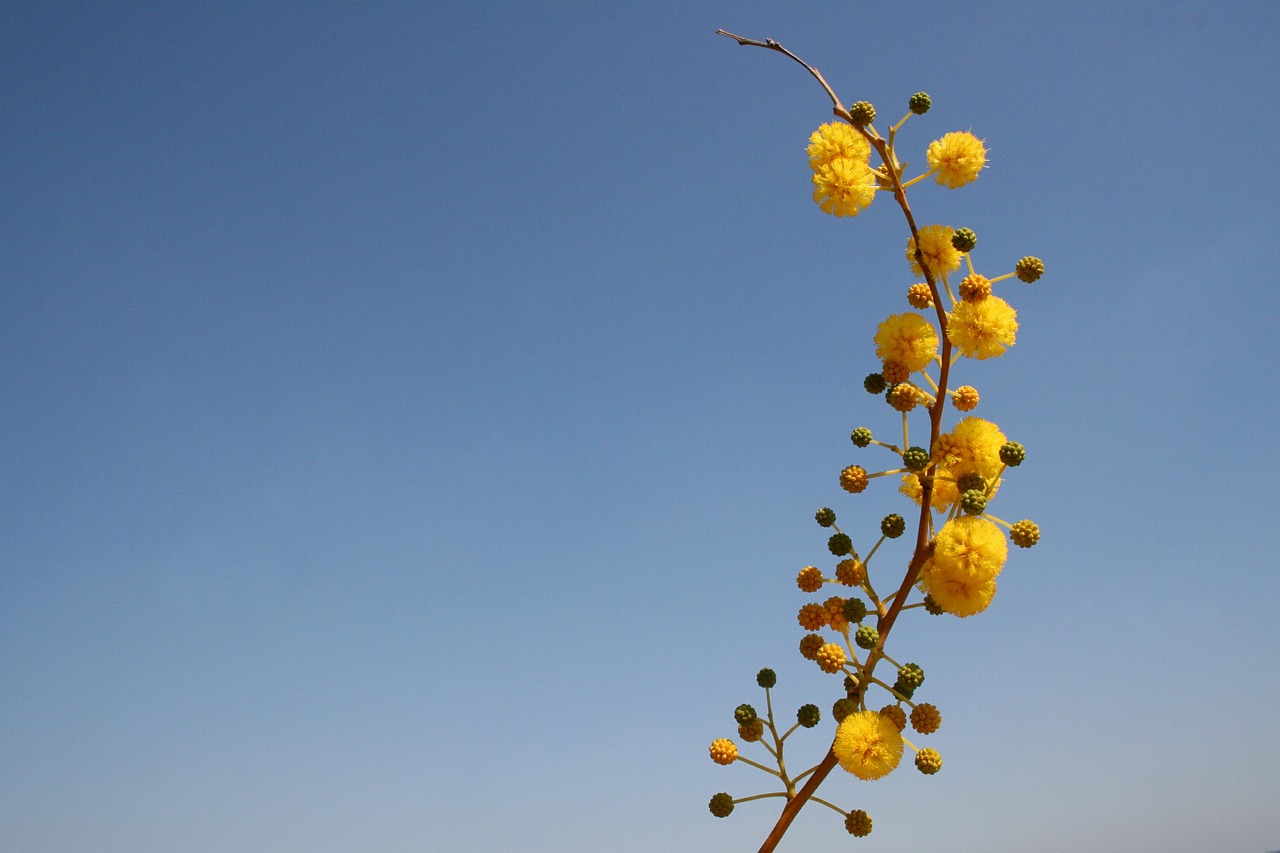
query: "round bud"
972, 480
808, 716
724, 751
861, 436
919, 103
850, 685
915, 458
853, 480
851, 572
1025, 533
964, 240
965, 398
866, 637
903, 397
825, 516
1029, 269
926, 718
840, 544
975, 288
895, 713
858, 822
745, 714
862, 113
812, 616
895, 372
906, 691
932, 607
911, 674
810, 579
721, 805
874, 383
843, 708
854, 610
809, 645
928, 761
893, 525
919, 296
1012, 454
830, 657
766, 678
752, 731
973, 502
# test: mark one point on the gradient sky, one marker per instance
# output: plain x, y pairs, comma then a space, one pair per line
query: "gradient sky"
414, 414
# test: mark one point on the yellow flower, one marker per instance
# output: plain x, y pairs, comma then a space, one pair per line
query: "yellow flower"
983, 329
939, 255
957, 158
961, 575
972, 447
844, 187
835, 141
868, 745
907, 339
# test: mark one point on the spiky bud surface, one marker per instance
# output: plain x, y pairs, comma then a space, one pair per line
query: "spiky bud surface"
895, 372
904, 397
1012, 454
862, 113
766, 678
851, 572
721, 805
964, 240
853, 479
724, 751
919, 103
830, 658
1025, 533
874, 383
812, 616
1029, 269
965, 398
825, 516
858, 823
866, 637
839, 544
911, 674
808, 716
854, 610
926, 718
745, 714
893, 525
975, 288
919, 296
861, 436
895, 713
809, 645
972, 480
842, 708
928, 761
973, 502
915, 458
810, 579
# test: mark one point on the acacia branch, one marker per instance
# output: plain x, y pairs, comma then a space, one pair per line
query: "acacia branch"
770, 44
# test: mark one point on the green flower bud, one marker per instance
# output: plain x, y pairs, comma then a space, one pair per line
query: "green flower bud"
862, 113
840, 544
825, 517
972, 480
932, 607
861, 436
874, 383
721, 805
919, 103
893, 525
1012, 454
964, 240
744, 714
843, 708
1029, 269
973, 502
915, 458
866, 637
766, 678
854, 610
808, 716
911, 674
1025, 533
858, 823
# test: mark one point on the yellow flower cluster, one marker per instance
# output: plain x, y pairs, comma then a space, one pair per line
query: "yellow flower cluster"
961, 575
940, 256
956, 158
907, 339
868, 745
983, 329
972, 447
843, 182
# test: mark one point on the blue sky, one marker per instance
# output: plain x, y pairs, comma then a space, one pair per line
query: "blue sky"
414, 417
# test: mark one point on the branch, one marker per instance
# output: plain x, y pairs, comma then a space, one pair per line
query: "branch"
770, 44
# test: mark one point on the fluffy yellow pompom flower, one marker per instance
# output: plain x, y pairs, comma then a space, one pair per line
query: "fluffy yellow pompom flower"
868, 745
957, 158
835, 141
961, 575
983, 329
939, 255
972, 447
844, 187
907, 339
